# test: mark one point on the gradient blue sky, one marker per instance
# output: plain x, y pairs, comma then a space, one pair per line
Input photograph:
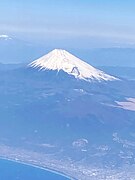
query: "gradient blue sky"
71, 21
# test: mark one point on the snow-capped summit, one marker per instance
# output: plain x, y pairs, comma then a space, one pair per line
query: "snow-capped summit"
59, 59
5, 37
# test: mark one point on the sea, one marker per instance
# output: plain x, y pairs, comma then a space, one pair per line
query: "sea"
10, 170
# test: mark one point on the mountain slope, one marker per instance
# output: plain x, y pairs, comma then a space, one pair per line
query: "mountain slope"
59, 59
59, 122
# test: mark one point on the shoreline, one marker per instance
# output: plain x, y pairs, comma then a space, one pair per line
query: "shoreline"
39, 167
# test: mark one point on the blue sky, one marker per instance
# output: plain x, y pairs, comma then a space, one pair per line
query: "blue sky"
110, 21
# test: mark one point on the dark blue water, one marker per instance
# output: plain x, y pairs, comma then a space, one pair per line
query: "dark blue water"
14, 171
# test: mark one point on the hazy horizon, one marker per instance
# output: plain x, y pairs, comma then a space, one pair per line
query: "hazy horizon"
74, 23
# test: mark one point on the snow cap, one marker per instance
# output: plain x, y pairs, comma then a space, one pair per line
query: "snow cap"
59, 59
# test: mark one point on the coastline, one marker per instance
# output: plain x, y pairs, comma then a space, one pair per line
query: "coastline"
36, 166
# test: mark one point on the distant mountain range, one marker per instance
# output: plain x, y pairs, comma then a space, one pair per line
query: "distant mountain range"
14, 50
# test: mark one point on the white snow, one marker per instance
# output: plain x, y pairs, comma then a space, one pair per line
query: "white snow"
59, 59
5, 37
129, 104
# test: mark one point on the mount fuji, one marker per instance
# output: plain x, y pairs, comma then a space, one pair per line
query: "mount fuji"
59, 59
62, 114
